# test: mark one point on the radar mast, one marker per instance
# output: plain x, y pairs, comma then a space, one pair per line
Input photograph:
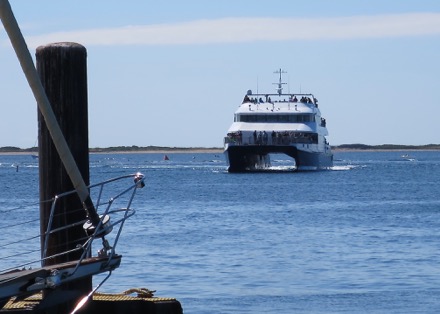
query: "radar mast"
280, 82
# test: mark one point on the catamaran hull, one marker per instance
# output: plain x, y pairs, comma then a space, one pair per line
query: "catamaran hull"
255, 157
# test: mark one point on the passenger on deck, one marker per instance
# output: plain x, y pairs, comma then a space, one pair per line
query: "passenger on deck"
259, 138
264, 138
246, 99
295, 99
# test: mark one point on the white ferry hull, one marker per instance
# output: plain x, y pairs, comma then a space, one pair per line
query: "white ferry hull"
255, 157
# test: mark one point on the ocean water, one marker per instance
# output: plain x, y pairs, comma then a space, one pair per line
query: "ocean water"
362, 237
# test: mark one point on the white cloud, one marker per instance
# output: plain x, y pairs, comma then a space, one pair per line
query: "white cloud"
239, 30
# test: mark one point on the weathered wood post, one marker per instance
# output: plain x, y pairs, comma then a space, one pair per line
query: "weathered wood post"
63, 72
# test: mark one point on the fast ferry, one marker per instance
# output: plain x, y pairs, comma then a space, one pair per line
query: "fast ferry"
277, 123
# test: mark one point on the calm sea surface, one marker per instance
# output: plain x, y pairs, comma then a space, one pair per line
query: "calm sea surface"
363, 237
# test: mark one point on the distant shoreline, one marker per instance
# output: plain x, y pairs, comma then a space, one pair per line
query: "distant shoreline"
163, 151
140, 151
218, 150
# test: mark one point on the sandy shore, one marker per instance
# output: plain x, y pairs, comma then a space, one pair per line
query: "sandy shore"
17, 153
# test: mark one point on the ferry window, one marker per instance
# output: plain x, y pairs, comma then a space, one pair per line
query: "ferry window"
280, 118
309, 118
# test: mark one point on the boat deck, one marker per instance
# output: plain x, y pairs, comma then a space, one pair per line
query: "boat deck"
19, 282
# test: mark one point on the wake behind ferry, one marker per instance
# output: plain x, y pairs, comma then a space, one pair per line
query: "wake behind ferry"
277, 123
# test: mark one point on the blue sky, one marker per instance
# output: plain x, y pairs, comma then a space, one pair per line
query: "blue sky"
172, 73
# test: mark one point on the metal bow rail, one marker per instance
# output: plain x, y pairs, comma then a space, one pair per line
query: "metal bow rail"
24, 281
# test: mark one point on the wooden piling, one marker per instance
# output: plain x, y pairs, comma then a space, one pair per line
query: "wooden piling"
63, 73
62, 68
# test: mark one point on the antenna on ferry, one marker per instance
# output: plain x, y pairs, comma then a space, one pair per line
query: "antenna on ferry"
280, 83
257, 84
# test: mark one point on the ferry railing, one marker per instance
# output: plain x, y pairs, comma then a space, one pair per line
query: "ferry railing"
269, 139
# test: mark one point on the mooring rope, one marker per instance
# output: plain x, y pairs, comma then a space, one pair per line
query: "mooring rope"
141, 292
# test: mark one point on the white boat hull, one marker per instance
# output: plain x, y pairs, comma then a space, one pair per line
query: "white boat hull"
256, 157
